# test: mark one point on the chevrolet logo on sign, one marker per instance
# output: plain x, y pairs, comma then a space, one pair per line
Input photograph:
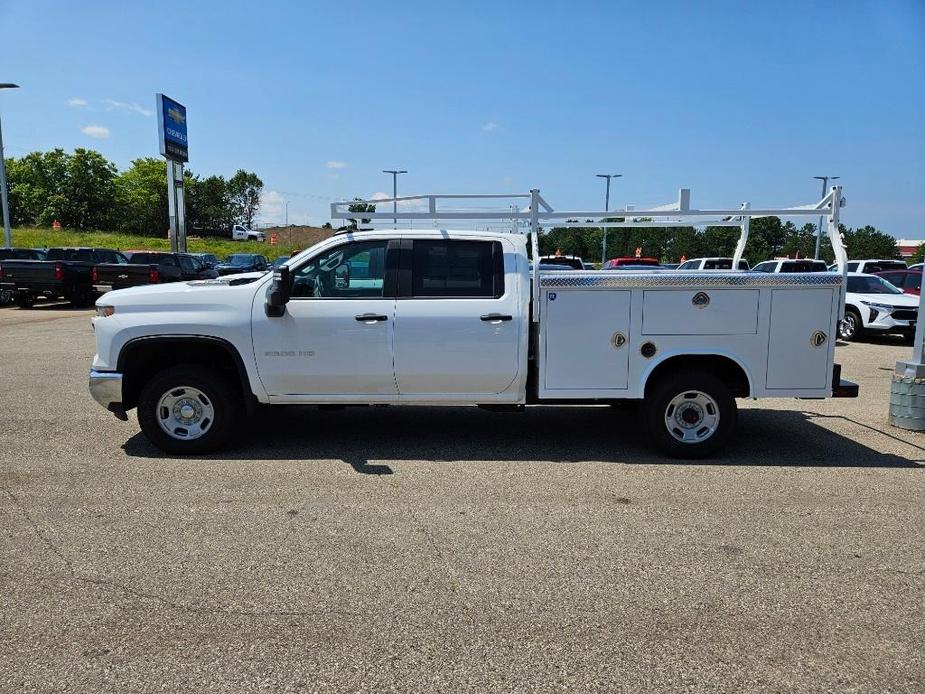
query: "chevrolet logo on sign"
176, 116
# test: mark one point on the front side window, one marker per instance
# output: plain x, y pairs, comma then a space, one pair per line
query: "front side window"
764, 267
351, 271
189, 264
461, 269
688, 265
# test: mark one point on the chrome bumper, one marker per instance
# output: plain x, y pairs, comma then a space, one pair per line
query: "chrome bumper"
106, 389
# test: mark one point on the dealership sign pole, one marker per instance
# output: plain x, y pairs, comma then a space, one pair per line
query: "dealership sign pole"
171, 136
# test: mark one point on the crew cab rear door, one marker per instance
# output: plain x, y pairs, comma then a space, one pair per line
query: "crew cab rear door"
457, 320
334, 342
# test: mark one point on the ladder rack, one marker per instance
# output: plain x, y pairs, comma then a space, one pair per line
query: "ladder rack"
537, 210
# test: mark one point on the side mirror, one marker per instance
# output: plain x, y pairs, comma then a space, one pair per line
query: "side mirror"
278, 293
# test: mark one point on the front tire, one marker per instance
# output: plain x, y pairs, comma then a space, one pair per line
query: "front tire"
690, 415
189, 409
24, 300
849, 328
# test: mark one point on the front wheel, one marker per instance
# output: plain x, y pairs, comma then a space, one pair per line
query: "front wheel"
189, 409
690, 414
850, 326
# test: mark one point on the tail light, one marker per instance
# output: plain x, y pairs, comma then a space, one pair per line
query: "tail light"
154, 276
94, 275
1, 272
59, 271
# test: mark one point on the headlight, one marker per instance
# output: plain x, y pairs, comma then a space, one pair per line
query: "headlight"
104, 311
882, 308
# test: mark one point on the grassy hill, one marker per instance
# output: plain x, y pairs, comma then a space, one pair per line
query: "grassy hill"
288, 241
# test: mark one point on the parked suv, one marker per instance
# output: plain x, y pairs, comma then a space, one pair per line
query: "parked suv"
872, 266
788, 265
242, 262
873, 304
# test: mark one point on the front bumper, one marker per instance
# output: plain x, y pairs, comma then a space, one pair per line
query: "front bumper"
106, 389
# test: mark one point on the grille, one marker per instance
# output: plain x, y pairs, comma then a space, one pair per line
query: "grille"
905, 314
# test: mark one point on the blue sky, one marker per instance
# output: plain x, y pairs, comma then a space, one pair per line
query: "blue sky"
738, 101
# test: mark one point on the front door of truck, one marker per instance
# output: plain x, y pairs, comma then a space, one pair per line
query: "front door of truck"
334, 342
457, 320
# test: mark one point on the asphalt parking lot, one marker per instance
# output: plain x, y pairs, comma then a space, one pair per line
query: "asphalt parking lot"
453, 549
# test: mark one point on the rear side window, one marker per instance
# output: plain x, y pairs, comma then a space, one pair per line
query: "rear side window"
110, 257
473, 269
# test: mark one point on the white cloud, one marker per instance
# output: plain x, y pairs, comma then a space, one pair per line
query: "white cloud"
490, 126
407, 205
100, 132
334, 164
76, 102
113, 105
273, 206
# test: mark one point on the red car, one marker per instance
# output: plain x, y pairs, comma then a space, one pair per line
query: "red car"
629, 263
910, 281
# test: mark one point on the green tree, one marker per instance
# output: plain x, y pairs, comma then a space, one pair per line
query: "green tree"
869, 242
919, 255
36, 184
89, 191
207, 203
141, 192
359, 206
244, 190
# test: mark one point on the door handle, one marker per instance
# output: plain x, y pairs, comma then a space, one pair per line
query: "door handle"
371, 317
495, 317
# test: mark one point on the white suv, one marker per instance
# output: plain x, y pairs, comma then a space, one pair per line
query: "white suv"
873, 304
789, 265
711, 264
871, 266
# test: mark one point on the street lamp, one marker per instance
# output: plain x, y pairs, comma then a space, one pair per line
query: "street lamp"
825, 184
7, 232
287, 213
394, 173
606, 208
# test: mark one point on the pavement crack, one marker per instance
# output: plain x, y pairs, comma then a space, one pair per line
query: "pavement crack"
190, 608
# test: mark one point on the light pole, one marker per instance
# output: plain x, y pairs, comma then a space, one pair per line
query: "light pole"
606, 209
825, 185
287, 213
394, 173
7, 232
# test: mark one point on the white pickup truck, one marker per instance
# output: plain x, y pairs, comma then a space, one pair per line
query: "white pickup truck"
443, 317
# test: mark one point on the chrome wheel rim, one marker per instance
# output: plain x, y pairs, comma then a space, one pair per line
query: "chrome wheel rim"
692, 417
847, 326
185, 413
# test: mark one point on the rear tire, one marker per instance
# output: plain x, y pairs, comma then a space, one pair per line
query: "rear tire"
24, 300
690, 414
82, 299
189, 409
851, 326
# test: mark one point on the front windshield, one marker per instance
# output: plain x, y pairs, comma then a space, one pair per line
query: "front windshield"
871, 285
240, 259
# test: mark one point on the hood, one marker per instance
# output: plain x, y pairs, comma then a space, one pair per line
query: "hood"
184, 294
903, 300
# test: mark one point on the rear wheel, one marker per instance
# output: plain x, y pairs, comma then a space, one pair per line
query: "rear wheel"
24, 299
690, 414
849, 328
189, 409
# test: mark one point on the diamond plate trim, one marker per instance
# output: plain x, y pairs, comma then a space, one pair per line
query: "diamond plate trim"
648, 280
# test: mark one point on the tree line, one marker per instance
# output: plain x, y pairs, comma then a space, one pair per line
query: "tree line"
769, 237
83, 190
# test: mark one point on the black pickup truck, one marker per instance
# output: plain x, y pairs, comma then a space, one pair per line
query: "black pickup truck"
7, 288
64, 274
150, 267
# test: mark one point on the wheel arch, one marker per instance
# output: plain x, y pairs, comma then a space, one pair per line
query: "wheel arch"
728, 368
142, 357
